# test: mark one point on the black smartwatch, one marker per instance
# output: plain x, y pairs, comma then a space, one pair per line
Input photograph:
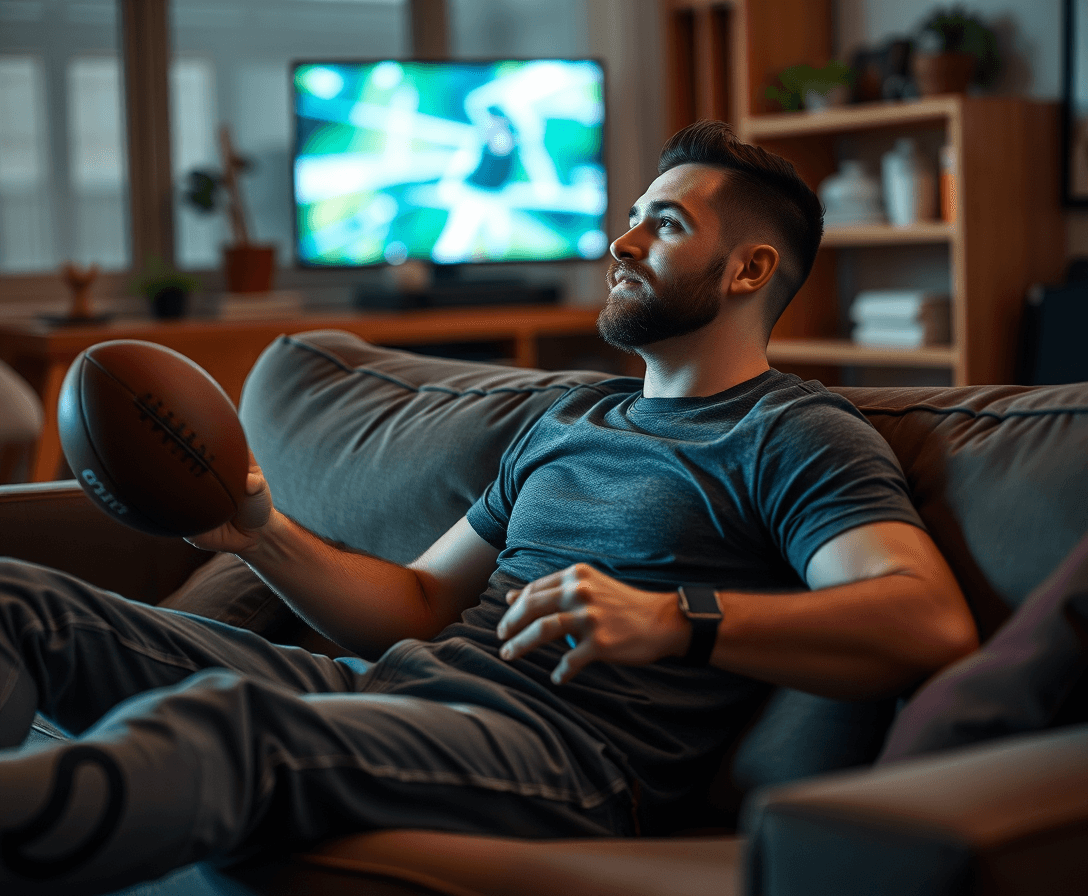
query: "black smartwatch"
700, 605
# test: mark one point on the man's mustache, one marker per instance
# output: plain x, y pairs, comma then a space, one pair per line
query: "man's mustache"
620, 270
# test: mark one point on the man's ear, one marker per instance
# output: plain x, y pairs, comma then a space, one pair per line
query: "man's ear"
752, 268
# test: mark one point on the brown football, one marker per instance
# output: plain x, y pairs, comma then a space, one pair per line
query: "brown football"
154, 441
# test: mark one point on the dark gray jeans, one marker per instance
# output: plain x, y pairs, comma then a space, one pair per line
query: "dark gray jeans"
193, 740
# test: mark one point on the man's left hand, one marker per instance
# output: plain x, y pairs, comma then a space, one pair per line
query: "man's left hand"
606, 620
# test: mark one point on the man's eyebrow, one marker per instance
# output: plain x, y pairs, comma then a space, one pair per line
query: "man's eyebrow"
658, 206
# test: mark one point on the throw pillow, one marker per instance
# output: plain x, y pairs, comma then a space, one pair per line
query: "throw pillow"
1032, 674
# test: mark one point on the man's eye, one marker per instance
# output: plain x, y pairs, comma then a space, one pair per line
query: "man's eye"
667, 222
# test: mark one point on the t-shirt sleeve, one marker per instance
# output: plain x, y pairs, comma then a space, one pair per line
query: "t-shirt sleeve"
490, 516
824, 469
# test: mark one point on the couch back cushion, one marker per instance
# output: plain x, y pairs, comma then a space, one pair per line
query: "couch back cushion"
383, 450
379, 449
999, 475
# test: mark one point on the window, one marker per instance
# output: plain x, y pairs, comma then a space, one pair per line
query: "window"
96, 163
26, 229
231, 65
63, 173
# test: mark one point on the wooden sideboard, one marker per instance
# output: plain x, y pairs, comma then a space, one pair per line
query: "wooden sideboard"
227, 349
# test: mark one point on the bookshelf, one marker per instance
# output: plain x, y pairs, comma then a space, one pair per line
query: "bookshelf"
1008, 232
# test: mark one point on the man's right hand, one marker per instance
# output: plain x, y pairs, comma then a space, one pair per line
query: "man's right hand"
243, 531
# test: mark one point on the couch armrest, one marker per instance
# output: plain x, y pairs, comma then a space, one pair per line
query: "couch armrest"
55, 524
1006, 817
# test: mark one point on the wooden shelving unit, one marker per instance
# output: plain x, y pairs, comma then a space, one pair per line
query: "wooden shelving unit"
1008, 232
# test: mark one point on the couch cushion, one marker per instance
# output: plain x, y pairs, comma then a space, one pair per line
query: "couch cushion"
998, 475
384, 450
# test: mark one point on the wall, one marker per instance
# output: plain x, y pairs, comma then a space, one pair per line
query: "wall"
1030, 35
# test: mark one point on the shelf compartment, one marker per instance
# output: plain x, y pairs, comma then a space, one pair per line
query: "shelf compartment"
921, 233
843, 352
933, 111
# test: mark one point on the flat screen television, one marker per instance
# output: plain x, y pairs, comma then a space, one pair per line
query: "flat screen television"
449, 162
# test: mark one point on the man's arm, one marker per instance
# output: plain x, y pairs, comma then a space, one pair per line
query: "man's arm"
885, 612
363, 603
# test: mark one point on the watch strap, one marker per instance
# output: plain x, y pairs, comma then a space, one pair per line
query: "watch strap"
699, 604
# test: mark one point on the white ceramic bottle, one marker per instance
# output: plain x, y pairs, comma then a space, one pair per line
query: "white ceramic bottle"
851, 196
909, 185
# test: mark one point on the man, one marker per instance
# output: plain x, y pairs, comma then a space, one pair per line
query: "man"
570, 658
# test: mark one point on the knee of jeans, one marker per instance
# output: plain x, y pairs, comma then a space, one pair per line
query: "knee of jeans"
21, 572
10, 566
224, 692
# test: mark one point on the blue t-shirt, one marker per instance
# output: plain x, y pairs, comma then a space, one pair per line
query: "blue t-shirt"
736, 490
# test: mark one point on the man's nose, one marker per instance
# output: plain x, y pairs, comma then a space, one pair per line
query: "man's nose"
628, 246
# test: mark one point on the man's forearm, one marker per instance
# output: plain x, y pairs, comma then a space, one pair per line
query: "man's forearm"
860, 640
363, 603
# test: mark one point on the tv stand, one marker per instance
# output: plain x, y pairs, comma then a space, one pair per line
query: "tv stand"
530, 336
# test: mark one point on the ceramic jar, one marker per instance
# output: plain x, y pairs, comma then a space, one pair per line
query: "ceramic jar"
851, 196
909, 185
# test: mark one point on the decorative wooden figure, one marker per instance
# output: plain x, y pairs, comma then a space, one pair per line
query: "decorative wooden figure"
79, 280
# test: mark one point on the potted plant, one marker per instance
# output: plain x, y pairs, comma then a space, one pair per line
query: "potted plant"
807, 87
953, 49
247, 266
166, 288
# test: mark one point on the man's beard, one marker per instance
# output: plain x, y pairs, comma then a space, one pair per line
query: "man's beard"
688, 304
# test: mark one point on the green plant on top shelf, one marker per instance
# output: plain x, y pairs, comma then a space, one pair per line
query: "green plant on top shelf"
804, 86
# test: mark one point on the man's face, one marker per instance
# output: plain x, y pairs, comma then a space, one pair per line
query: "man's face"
667, 277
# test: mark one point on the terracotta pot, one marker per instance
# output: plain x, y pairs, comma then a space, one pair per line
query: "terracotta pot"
943, 72
249, 268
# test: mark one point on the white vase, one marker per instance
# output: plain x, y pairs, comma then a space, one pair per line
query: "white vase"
851, 196
909, 185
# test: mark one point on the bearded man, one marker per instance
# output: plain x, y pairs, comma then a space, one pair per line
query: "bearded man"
570, 658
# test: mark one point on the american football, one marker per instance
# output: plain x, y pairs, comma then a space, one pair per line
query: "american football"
153, 440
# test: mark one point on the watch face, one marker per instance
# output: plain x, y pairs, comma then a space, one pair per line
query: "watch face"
699, 602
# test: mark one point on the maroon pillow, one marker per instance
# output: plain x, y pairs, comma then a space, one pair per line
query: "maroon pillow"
1031, 675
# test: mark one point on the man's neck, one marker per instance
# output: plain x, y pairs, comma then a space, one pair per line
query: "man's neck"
703, 363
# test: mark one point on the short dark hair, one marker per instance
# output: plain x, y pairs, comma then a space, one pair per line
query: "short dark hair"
763, 188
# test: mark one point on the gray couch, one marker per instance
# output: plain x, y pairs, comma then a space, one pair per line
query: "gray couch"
382, 450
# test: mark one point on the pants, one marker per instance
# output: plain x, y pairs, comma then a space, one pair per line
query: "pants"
194, 740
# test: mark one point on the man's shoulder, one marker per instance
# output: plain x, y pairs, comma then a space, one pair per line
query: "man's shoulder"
807, 409
788, 392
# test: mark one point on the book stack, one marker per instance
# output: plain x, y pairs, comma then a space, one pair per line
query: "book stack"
900, 318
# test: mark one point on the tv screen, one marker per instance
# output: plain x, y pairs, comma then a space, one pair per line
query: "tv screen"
449, 162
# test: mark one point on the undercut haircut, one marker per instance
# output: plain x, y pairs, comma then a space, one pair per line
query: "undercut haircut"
763, 192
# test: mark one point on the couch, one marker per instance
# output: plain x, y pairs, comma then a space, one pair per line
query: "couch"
381, 449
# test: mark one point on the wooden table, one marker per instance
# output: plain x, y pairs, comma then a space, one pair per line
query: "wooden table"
227, 349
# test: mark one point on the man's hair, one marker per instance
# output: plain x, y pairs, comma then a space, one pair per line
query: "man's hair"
764, 191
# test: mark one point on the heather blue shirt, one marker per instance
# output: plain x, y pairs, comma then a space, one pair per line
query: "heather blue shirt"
737, 490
